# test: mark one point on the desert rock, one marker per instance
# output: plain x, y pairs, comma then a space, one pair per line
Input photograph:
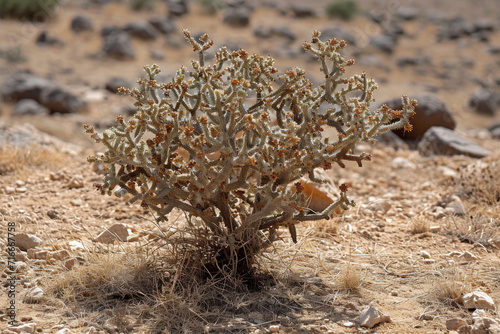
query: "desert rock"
24, 328
117, 45
371, 317
441, 141
81, 23
29, 107
117, 232
50, 95
454, 324
478, 300
485, 101
35, 295
141, 29
26, 241
430, 111
237, 17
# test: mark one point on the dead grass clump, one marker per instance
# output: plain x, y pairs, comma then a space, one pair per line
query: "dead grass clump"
419, 225
22, 161
451, 285
349, 278
169, 290
476, 229
479, 182
160, 297
107, 279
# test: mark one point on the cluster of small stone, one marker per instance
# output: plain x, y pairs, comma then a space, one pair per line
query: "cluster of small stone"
225, 141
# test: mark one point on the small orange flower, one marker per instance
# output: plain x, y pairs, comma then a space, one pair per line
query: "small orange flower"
203, 119
408, 127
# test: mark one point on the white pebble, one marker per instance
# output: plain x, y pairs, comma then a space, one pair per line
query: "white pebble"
274, 328
425, 254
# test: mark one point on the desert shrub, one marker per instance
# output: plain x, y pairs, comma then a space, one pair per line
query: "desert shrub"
139, 5
229, 143
33, 9
344, 9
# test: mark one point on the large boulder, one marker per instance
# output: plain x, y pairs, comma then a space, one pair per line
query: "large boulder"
50, 95
442, 141
110, 29
113, 83
117, 45
81, 23
26, 135
303, 11
495, 130
455, 29
177, 7
485, 101
141, 29
237, 17
429, 112
29, 107
164, 25
285, 32
407, 13
339, 33
384, 43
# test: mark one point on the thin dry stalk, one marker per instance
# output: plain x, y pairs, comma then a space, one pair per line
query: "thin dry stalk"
350, 275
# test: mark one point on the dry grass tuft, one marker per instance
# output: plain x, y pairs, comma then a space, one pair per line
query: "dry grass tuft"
419, 225
349, 278
479, 182
107, 279
451, 285
322, 228
22, 161
171, 289
476, 229
166, 291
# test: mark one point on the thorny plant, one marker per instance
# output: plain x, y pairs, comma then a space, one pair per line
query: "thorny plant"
225, 142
